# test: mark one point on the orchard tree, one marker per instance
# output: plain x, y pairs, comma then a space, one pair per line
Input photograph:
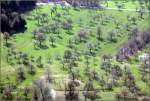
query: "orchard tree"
41, 38
129, 17
44, 17
90, 46
129, 80
99, 33
134, 32
24, 58
8, 56
71, 92
58, 33
67, 55
52, 40
117, 23
71, 86
46, 28
81, 35
39, 62
133, 19
31, 68
1, 87
63, 64
35, 31
112, 36
53, 10
67, 25
58, 15
49, 76
8, 93
141, 13
74, 74
38, 18
70, 43
26, 92
89, 85
94, 75
6, 37
106, 64
36, 93
127, 26
41, 91
20, 74
109, 84
54, 27
144, 70
87, 61
89, 91
71, 64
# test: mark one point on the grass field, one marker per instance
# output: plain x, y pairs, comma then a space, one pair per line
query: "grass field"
23, 42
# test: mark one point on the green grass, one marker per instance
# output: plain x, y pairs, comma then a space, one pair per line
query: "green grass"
23, 42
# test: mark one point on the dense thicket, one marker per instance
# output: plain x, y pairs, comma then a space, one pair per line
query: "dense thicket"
11, 16
137, 42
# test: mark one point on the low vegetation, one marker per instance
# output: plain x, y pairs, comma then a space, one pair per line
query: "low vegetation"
77, 52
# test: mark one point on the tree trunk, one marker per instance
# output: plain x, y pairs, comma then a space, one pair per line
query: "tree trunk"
40, 43
6, 40
85, 98
52, 43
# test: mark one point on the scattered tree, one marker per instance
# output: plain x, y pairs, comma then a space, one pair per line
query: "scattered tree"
99, 33
41, 38
6, 37
21, 74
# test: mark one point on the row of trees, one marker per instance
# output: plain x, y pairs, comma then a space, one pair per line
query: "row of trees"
86, 3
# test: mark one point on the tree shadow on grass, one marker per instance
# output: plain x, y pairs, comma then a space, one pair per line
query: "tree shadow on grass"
53, 46
8, 45
60, 37
69, 32
43, 47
